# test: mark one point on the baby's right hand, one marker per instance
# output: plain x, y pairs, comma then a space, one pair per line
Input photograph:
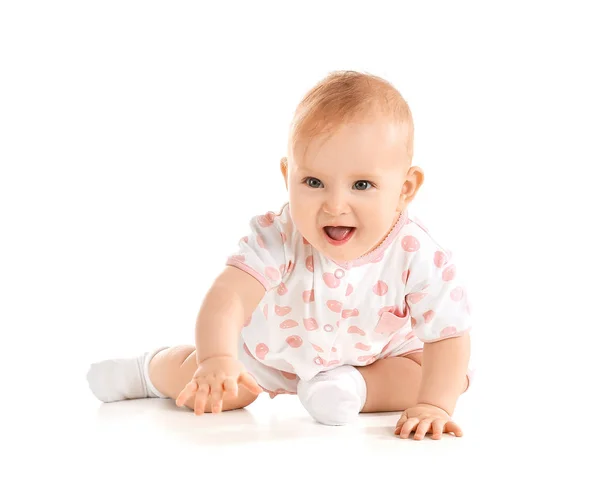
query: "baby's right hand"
214, 376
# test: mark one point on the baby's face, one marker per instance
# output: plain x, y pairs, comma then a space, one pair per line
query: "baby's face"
359, 180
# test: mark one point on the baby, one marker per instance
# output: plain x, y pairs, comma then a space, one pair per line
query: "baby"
342, 297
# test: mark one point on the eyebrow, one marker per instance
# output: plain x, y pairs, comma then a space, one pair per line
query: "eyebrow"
358, 176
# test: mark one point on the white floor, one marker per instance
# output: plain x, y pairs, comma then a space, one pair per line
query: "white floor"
76, 447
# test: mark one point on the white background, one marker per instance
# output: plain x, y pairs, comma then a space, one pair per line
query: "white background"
137, 139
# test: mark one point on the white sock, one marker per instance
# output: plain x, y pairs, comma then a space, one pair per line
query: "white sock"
334, 397
119, 379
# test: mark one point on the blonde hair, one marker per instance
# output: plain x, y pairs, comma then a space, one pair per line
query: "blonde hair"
343, 96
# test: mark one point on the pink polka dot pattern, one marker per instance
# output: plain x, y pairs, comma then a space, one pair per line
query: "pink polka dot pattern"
318, 361
350, 313
428, 316
349, 290
261, 241
294, 341
339, 273
355, 330
405, 275
266, 220
310, 324
261, 351
317, 348
281, 311
334, 306
362, 346
449, 273
266, 311
283, 237
448, 331
439, 259
287, 324
308, 296
310, 264
272, 273
247, 322
328, 328
410, 244
380, 288
287, 375
282, 289
415, 297
456, 294
331, 280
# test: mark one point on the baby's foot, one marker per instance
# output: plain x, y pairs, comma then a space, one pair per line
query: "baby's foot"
334, 397
119, 379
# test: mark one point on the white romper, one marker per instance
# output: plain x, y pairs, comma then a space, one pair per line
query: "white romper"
318, 314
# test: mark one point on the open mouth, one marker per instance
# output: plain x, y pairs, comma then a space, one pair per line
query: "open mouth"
338, 235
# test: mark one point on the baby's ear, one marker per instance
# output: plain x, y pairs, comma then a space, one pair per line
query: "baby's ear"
284, 169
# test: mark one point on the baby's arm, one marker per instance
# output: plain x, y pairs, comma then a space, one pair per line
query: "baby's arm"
445, 365
232, 298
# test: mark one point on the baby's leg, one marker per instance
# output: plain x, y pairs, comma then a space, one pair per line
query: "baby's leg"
406, 371
171, 369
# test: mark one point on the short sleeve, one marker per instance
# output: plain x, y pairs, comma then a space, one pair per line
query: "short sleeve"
262, 252
435, 295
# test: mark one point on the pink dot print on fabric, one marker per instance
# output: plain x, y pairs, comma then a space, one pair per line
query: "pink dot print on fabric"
331, 280
287, 324
349, 290
405, 275
413, 322
410, 244
339, 273
244, 239
317, 348
367, 359
261, 351
288, 376
349, 313
282, 289
332, 363
266, 220
310, 264
380, 288
415, 297
310, 324
308, 296
355, 330
456, 294
362, 346
281, 311
261, 241
247, 321
272, 273
439, 259
318, 361
283, 237
428, 316
266, 311
334, 306
294, 341
448, 331
328, 328
449, 273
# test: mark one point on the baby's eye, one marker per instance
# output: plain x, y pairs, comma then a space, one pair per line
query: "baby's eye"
362, 185
313, 182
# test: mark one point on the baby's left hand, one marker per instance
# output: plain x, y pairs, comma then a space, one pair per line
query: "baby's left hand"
426, 418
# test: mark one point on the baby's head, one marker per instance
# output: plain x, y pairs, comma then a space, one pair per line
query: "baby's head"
349, 163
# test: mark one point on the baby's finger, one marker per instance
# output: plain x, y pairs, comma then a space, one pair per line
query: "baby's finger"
453, 427
247, 381
438, 428
186, 393
408, 426
216, 397
422, 429
400, 423
201, 397
230, 386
